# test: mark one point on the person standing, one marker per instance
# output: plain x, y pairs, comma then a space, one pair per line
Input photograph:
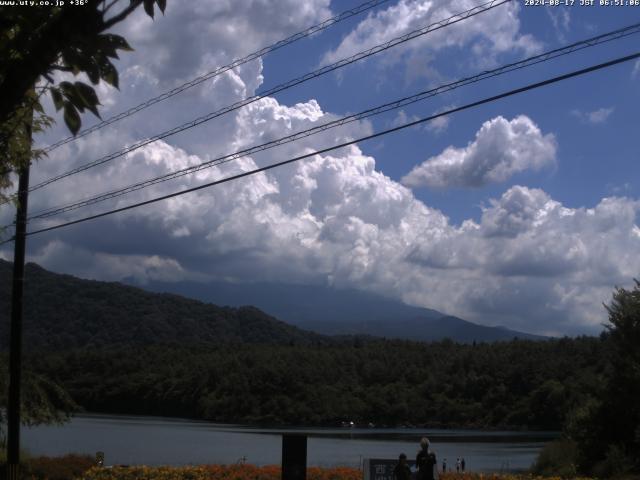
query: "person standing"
458, 465
402, 470
444, 466
425, 461
462, 464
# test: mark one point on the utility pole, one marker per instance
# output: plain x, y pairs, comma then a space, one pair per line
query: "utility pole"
15, 346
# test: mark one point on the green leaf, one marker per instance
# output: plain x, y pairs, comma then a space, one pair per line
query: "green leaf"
66, 87
109, 74
37, 106
71, 58
148, 7
84, 60
71, 118
92, 70
116, 41
88, 96
58, 102
70, 92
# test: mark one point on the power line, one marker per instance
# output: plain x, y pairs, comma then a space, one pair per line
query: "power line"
533, 60
291, 83
509, 93
322, 71
220, 70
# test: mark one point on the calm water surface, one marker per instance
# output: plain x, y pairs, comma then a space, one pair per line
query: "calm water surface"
135, 440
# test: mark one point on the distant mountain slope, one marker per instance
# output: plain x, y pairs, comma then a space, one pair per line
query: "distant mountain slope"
332, 311
62, 311
424, 329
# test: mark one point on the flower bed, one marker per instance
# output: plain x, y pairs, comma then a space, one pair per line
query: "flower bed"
215, 472
56, 468
77, 467
497, 476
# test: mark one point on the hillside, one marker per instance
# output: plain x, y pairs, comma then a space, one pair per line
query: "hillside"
63, 312
120, 349
333, 311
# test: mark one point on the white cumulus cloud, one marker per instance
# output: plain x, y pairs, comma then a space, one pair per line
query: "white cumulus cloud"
595, 117
560, 20
185, 43
488, 34
529, 262
501, 148
635, 73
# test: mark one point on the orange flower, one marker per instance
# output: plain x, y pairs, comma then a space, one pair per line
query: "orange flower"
269, 472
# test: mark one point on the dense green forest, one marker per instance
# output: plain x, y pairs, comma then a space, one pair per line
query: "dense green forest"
519, 384
118, 349
64, 312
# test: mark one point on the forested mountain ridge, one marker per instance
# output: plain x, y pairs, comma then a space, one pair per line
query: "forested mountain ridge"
332, 311
518, 384
63, 312
120, 349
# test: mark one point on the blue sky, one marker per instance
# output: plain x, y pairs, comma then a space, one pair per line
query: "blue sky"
522, 212
593, 156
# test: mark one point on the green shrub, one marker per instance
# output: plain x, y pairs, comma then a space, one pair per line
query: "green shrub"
615, 464
557, 458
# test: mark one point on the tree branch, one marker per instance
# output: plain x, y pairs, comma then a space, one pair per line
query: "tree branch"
61, 68
108, 7
122, 15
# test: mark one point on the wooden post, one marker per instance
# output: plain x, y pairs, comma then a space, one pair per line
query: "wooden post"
294, 457
15, 345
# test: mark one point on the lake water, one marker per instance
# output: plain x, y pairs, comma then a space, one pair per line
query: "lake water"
133, 440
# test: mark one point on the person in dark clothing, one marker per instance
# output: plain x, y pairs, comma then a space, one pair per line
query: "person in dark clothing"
402, 470
462, 464
444, 466
425, 461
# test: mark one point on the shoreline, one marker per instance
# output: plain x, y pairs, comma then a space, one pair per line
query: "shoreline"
445, 434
